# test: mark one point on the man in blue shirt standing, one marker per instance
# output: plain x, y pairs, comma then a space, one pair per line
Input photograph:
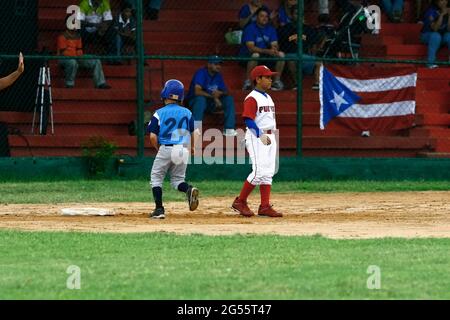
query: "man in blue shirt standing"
170, 131
208, 92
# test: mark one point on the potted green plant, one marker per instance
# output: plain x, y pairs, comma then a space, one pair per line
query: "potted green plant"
98, 151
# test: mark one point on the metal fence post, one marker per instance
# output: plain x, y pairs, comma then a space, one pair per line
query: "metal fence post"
300, 77
140, 80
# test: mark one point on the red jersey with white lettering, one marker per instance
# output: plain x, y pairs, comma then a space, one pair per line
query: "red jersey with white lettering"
260, 107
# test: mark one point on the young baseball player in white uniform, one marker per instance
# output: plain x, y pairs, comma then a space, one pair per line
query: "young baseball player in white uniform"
259, 117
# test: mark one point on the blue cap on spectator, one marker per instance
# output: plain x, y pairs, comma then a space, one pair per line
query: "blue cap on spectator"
214, 60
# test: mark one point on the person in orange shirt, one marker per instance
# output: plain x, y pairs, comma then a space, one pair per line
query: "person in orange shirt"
70, 45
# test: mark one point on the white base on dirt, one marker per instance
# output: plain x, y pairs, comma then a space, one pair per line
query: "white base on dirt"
87, 212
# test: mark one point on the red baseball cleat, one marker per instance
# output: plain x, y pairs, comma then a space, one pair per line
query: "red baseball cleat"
268, 211
242, 207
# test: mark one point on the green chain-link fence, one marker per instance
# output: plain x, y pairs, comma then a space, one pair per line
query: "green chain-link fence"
400, 108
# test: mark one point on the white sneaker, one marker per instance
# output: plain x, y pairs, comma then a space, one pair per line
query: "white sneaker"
365, 134
433, 66
247, 85
277, 85
230, 133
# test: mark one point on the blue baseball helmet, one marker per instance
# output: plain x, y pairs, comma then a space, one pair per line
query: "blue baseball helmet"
173, 89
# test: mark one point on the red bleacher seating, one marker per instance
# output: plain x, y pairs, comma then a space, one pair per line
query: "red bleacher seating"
194, 27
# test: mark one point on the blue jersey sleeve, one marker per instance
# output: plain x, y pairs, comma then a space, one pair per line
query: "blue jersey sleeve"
153, 126
191, 124
251, 124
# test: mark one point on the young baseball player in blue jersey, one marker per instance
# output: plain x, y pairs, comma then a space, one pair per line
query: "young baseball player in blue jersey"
170, 130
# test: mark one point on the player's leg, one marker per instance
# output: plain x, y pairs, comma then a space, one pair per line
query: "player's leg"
263, 159
229, 112
160, 167
267, 158
446, 41
324, 7
95, 66
277, 84
433, 40
240, 203
70, 68
198, 105
177, 171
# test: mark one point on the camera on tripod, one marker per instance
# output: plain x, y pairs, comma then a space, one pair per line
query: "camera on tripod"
43, 106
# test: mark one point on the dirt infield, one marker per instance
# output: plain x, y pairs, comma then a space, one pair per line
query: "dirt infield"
335, 215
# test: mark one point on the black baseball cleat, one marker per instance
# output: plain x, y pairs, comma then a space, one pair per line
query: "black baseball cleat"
192, 197
158, 213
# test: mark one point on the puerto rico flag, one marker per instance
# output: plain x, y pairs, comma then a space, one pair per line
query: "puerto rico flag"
365, 98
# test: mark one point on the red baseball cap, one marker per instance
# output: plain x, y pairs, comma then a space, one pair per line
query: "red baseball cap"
260, 71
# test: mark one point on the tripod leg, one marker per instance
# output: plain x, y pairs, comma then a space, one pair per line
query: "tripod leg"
41, 118
36, 101
49, 82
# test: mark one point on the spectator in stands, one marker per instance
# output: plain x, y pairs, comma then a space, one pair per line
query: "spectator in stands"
247, 14
125, 28
285, 12
208, 92
393, 9
260, 40
96, 21
436, 29
151, 7
5, 82
70, 45
288, 44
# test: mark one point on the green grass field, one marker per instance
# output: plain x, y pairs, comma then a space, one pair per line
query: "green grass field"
166, 266
139, 190
33, 265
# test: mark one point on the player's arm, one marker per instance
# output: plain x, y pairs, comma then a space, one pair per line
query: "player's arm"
60, 51
254, 49
244, 20
200, 92
106, 23
274, 49
154, 141
195, 135
153, 128
222, 88
436, 22
249, 114
251, 124
11, 78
